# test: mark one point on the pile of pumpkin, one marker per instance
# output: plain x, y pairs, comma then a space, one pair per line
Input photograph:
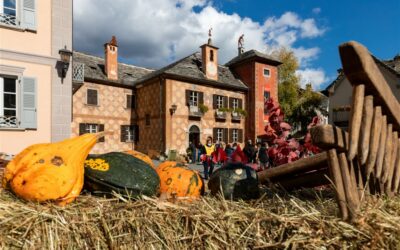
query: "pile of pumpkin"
59, 171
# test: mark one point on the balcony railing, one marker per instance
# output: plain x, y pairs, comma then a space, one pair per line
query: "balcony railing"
194, 111
236, 116
78, 72
8, 122
8, 19
220, 114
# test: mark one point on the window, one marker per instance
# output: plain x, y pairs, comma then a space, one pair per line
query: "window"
267, 73
9, 95
85, 128
127, 133
21, 13
220, 134
91, 97
130, 101
235, 135
212, 55
147, 119
235, 103
194, 98
266, 98
220, 101
8, 12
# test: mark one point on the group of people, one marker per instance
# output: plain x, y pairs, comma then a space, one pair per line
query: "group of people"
219, 153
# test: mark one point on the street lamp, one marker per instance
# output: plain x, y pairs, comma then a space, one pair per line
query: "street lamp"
65, 56
173, 109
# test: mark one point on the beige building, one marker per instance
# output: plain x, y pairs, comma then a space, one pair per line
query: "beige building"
166, 109
35, 94
340, 91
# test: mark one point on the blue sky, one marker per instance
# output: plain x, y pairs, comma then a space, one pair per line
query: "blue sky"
376, 24
154, 33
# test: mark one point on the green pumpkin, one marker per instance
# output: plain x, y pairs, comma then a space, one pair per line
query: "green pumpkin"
122, 173
236, 181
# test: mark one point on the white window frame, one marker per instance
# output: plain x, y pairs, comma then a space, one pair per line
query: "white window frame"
235, 103
269, 72
130, 134
92, 128
220, 101
17, 99
87, 95
235, 135
220, 134
194, 98
17, 13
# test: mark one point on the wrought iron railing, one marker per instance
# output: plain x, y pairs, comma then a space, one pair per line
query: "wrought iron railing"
78, 72
8, 19
8, 122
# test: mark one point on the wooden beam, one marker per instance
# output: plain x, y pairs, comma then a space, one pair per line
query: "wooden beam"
300, 166
307, 180
355, 119
365, 133
328, 137
360, 67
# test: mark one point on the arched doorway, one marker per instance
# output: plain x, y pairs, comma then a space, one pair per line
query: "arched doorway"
194, 135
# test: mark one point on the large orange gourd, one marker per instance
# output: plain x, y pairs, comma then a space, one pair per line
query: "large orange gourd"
140, 156
179, 181
50, 171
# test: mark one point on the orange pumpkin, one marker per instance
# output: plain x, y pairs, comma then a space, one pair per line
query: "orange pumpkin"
140, 156
179, 181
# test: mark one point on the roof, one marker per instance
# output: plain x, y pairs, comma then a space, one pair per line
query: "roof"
94, 70
253, 55
190, 68
392, 65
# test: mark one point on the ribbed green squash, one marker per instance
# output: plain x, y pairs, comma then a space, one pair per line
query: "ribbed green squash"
236, 181
121, 173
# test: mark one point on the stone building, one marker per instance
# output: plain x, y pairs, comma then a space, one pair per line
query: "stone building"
184, 102
340, 91
35, 82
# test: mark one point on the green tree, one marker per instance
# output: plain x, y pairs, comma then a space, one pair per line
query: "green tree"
289, 82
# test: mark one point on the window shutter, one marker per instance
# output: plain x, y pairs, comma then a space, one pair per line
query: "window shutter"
201, 97
92, 97
128, 101
82, 128
230, 102
215, 133
225, 137
230, 135
29, 14
187, 97
226, 102
136, 133
101, 129
28, 103
215, 106
240, 103
123, 133
240, 135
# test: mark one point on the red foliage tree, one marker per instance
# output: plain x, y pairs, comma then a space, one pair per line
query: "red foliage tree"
285, 149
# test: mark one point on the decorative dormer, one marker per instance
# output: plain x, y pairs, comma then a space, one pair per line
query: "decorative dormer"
209, 54
111, 59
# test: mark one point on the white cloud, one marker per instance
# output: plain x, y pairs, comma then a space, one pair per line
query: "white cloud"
315, 76
316, 10
155, 33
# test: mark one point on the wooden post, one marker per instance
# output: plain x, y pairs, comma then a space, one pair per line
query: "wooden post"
335, 172
396, 177
365, 133
355, 119
350, 186
381, 151
374, 141
388, 154
393, 158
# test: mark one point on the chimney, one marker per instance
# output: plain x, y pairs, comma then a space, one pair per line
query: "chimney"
111, 59
209, 55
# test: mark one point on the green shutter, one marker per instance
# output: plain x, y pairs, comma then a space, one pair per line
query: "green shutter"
101, 129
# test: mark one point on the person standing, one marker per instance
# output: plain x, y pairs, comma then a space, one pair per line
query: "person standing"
249, 151
263, 156
208, 164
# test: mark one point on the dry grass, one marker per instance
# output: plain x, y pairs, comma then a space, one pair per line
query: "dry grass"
306, 219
